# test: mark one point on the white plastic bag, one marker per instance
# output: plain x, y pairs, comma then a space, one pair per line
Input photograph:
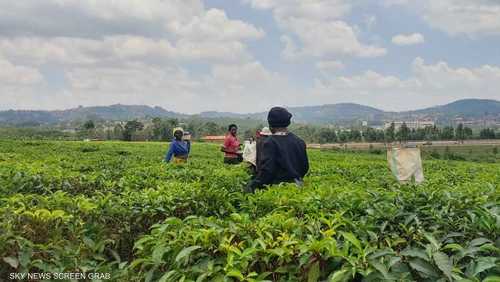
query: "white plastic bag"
405, 164
250, 152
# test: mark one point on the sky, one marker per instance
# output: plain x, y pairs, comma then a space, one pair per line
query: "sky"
247, 55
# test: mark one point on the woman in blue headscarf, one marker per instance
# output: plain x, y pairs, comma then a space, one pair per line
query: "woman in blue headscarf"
179, 148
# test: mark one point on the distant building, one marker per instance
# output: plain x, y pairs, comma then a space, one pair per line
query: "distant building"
214, 139
417, 124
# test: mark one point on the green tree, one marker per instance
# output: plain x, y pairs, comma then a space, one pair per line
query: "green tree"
118, 132
89, 129
460, 133
468, 133
89, 125
355, 135
212, 128
447, 133
157, 129
161, 129
327, 135
343, 136
131, 127
370, 135
403, 133
487, 133
390, 133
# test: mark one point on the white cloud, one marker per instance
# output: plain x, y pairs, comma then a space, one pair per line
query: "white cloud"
389, 3
318, 9
256, 86
464, 16
319, 28
120, 50
430, 84
410, 39
19, 85
213, 25
370, 21
236, 87
83, 18
11, 74
137, 84
86, 31
242, 87
320, 39
457, 17
128, 51
329, 66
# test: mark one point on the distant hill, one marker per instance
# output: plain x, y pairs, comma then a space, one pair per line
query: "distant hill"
343, 114
116, 112
111, 113
338, 113
315, 114
468, 108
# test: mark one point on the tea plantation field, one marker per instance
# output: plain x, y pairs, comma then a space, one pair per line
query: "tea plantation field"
116, 208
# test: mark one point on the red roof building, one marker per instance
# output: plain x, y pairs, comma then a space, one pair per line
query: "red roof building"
214, 139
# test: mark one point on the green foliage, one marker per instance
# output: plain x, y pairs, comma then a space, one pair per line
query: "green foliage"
131, 127
403, 133
115, 207
487, 133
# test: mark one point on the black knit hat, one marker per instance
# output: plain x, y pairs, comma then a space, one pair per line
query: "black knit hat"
279, 117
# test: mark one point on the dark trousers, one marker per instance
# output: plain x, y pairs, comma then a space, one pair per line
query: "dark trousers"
232, 161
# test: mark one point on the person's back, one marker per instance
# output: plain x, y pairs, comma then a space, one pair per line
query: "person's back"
286, 155
282, 156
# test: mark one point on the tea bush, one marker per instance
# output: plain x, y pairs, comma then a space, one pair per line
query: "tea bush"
116, 208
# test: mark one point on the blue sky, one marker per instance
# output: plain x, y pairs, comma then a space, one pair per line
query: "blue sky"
247, 55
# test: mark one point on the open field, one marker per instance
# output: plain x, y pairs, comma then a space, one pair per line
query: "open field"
115, 208
470, 150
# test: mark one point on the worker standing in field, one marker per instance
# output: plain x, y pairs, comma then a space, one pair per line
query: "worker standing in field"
232, 146
179, 148
282, 157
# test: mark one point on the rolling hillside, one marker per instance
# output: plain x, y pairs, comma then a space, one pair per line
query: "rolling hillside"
337, 113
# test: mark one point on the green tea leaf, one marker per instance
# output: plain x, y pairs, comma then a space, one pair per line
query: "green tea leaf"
423, 267
314, 273
186, 252
435, 244
168, 276
478, 242
444, 263
236, 274
158, 253
415, 253
483, 264
381, 268
351, 238
492, 279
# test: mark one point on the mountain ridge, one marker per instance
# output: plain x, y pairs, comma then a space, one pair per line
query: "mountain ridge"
341, 113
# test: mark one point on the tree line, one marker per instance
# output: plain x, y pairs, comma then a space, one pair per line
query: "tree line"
160, 129
155, 130
392, 134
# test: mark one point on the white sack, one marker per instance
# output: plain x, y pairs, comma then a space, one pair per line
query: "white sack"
250, 153
405, 164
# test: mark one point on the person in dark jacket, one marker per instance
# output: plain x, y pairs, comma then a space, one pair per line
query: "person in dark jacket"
283, 157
